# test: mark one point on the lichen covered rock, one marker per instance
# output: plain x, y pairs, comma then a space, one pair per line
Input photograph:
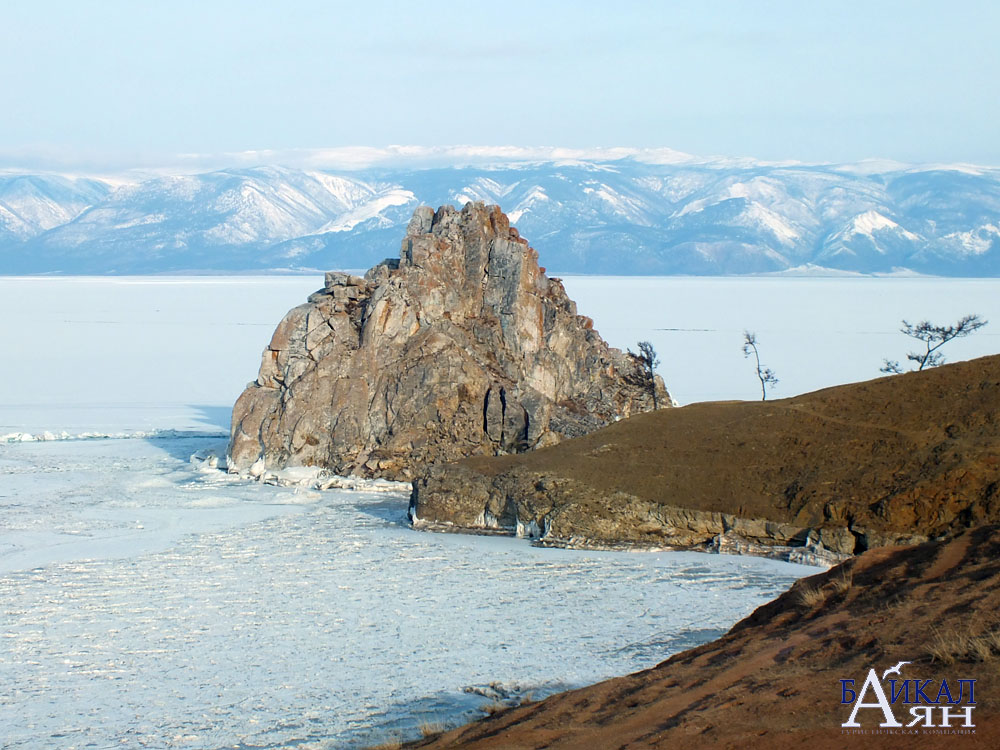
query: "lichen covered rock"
461, 347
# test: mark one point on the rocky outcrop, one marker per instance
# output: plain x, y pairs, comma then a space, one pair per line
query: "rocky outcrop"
891, 461
774, 681
461, 347
556, 511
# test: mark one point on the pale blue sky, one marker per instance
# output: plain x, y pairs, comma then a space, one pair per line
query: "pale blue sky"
120, 82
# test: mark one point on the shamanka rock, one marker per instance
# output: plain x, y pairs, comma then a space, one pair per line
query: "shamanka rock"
461, 347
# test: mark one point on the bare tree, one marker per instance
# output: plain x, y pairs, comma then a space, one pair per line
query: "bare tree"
648, 362
764, 374
933, 337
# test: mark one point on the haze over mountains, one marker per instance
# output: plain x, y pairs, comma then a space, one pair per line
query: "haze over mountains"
609, 212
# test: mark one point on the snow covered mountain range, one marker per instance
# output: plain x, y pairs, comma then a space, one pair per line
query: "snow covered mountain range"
611, 214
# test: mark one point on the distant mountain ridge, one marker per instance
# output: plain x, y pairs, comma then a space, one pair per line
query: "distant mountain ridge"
601, 215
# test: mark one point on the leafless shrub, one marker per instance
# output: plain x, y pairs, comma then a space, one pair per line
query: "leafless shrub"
765, 375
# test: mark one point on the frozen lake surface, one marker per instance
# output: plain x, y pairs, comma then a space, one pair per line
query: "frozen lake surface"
166, 341
148, 601
813, 332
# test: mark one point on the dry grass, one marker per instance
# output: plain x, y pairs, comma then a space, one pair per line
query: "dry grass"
431, 728
842, 582
954, 645
494, 707
836, 585
388, 745
810, 596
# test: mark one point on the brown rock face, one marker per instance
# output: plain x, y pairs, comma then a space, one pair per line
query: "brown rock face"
462, 347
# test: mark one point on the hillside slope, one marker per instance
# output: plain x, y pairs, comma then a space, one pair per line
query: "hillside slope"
892, 460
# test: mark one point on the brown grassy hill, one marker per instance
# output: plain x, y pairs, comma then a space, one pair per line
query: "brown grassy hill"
892, 460
774, 680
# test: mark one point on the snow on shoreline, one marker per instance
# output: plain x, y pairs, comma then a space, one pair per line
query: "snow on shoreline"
48, 435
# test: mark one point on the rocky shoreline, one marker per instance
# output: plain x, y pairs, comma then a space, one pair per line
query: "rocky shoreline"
822, 476
736, 536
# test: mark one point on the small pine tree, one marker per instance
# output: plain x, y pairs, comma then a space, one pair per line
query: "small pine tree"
933, 337
648, 362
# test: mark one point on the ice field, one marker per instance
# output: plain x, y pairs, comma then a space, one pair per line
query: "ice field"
813, 332
151, 601
82, 342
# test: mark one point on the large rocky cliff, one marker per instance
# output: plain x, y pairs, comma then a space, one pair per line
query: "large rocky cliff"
461, 347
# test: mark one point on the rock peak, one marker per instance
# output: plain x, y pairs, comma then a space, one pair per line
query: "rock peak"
447, 218
462, 346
